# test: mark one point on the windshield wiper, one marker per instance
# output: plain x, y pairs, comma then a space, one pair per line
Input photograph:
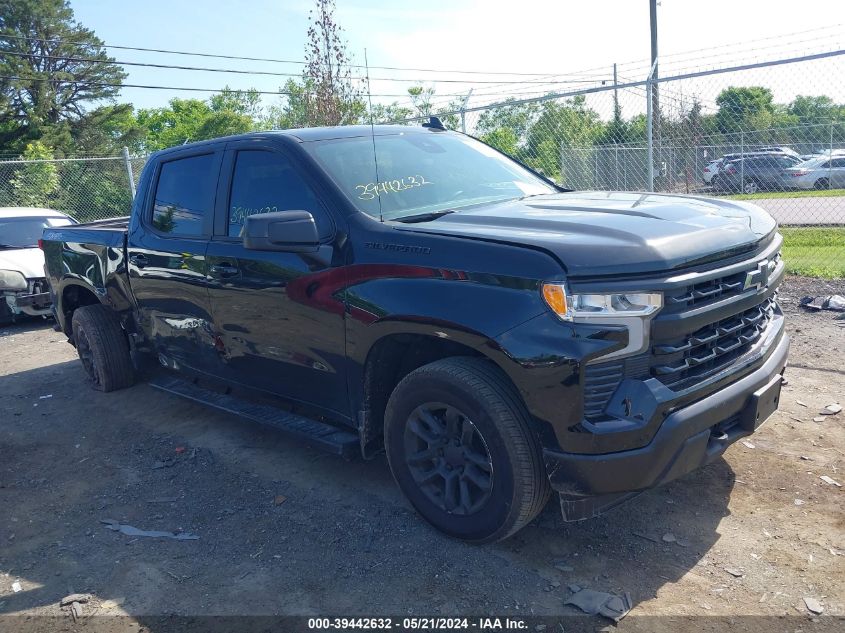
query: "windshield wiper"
11, 246
423, 217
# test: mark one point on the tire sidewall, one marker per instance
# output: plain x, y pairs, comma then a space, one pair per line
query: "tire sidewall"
80, 331
496, 513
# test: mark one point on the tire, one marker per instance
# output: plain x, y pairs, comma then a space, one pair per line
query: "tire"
471, 403
750, 186
102, 348
820, 184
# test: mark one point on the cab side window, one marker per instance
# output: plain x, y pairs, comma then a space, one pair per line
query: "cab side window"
184, 196
266, 182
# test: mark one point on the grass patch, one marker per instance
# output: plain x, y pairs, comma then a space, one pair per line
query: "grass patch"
768, 195
814, 252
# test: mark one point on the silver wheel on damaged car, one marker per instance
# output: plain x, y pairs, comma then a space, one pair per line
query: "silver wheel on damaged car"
750, 186
460, 447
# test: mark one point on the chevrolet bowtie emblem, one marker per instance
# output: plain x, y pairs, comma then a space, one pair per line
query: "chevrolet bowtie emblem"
759, 277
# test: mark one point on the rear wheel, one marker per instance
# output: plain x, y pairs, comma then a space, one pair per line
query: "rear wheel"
460, 448
821, 183
102, 348
750, 186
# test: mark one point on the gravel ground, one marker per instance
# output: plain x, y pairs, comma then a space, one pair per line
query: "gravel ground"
286, 530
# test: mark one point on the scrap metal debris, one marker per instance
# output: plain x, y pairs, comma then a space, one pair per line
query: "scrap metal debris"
830, 302
814, 606
16, 586
130, 530
830, 481
832, 409
75, 597
601, 603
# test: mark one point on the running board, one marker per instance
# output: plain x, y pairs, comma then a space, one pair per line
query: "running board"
317, 434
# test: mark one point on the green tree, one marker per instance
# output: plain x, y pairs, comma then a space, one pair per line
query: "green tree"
35, 183
745, 108
569, 124
186, 120
53, 69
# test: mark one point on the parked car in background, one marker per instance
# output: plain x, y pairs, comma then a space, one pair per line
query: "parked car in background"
751, 174
23, 287
711, 170
818, 173
777, 149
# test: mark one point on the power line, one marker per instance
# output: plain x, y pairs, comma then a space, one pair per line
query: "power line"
265, 72
99, 84
277, 61
734, 50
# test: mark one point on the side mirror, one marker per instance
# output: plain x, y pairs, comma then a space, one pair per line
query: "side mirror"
286, 231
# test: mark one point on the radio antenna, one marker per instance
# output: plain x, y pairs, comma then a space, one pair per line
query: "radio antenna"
373, 133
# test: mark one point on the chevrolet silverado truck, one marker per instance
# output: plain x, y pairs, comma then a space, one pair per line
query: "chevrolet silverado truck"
415, 291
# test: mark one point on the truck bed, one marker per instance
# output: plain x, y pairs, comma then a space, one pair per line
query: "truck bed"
110, 233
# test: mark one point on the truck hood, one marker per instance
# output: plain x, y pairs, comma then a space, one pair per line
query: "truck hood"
602, 233
28, 261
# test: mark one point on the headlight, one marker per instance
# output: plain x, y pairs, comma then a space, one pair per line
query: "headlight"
12, 280
577, 306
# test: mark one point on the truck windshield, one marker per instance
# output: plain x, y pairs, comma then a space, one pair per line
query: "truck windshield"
25, 232
422, 173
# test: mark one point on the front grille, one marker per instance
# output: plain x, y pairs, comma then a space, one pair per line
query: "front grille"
707, 292
704, 352
685, 358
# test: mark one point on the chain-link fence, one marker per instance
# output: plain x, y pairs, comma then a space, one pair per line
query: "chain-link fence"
87, 189
771, 132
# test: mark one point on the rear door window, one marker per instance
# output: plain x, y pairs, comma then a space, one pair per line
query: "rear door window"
184, 196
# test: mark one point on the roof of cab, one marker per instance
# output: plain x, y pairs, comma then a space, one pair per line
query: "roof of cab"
29, 212
308, 134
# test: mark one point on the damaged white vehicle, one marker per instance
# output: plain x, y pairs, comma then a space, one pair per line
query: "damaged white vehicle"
23, 287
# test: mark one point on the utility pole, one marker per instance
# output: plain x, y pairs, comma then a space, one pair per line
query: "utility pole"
654, 94
652, 102
617, 111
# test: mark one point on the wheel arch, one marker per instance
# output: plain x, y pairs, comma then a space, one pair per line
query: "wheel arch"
73, 295
398, 352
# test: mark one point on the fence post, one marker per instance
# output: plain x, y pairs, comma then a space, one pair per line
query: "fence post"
830, 161
128, 164
742, 161
616, 165
464, 111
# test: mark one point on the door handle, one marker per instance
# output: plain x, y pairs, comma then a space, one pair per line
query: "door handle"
140, 260
224, 270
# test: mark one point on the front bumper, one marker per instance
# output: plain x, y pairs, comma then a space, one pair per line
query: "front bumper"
33, 301
690, 437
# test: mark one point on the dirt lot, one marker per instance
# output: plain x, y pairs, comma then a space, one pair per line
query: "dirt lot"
286, 530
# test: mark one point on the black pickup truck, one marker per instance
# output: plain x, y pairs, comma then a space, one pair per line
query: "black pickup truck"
415, 291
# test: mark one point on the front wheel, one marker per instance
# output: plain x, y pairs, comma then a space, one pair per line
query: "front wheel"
821, 184
102, 348
459, 446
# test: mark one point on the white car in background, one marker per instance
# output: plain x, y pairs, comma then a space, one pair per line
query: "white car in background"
23, 286
711, 170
